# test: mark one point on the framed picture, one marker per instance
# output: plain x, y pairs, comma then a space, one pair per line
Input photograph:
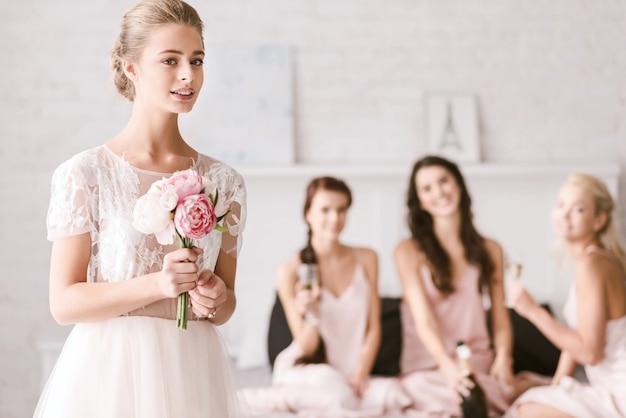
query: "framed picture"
452, 126
245, 113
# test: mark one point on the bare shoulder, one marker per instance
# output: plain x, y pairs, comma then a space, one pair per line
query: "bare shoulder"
594, 267
408, 253
368, 258
287, 270
493, 246
367, 254
408, 246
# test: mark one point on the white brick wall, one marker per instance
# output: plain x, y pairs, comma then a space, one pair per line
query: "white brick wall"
549, 76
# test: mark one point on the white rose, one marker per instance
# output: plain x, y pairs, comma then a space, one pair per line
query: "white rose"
166, 237
169, 200
149, 216
222, 206
156, 187
209, 186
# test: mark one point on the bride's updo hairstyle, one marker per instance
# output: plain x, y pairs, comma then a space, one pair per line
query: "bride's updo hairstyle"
136, 28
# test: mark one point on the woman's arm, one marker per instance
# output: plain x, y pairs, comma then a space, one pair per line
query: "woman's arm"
304, 333
215, 291
585, 344
371, 343
73, 300
408, 259
566, 367
502, 367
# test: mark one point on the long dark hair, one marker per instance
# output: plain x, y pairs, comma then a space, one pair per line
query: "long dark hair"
421, 226
307, 254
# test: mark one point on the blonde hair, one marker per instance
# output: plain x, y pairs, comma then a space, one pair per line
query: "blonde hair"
604, 204
136, 28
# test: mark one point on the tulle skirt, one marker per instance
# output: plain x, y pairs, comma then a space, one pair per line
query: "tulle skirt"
141, 367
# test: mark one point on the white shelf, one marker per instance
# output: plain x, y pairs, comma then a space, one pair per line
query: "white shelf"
473, 170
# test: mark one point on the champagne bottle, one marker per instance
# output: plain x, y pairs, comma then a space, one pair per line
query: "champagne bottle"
474, 405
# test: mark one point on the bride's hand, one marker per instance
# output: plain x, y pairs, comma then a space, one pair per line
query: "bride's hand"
180, 272
208, 295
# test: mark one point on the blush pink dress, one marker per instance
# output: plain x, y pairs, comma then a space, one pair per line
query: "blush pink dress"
604, 395
323, 390
460, 316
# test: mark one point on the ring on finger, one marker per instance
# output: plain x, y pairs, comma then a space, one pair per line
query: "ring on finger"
211, 315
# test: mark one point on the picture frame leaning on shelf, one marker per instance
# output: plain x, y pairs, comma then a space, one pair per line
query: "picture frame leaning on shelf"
452, 126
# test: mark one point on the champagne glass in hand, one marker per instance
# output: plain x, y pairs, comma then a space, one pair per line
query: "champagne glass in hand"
309, 278
513, 269
512, 273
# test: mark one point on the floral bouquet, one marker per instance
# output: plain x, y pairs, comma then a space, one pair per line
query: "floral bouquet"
185, 206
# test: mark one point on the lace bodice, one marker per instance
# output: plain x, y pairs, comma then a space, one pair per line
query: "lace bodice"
95, 191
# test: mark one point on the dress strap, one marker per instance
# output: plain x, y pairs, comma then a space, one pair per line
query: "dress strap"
357, 262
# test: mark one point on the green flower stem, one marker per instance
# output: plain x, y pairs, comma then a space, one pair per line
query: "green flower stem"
183, 298
181, 315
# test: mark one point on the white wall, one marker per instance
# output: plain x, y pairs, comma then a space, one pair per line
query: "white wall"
549, 76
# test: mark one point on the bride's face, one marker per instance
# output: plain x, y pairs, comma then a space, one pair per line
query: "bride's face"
169, 74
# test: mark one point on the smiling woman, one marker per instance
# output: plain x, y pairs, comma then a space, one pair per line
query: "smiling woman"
125, 356
595, 311
171, 63
335, 325
445, 267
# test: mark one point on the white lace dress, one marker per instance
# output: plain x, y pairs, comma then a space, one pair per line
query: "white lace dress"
139, 364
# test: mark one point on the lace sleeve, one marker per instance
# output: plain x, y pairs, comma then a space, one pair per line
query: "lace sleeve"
71, 210
231, 183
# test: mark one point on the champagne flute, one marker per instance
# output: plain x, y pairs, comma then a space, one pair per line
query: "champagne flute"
514, 269
512, 272
309, 277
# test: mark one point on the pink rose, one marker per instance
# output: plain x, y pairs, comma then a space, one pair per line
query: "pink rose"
184, 183
195, 216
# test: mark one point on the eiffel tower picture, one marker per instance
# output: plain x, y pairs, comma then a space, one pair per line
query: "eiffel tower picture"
452, 126
450, 137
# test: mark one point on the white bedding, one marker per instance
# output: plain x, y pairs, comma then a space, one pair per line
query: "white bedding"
262, 376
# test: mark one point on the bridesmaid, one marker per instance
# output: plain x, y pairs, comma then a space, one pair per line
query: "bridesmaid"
446, 267
336, 325
595, 311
